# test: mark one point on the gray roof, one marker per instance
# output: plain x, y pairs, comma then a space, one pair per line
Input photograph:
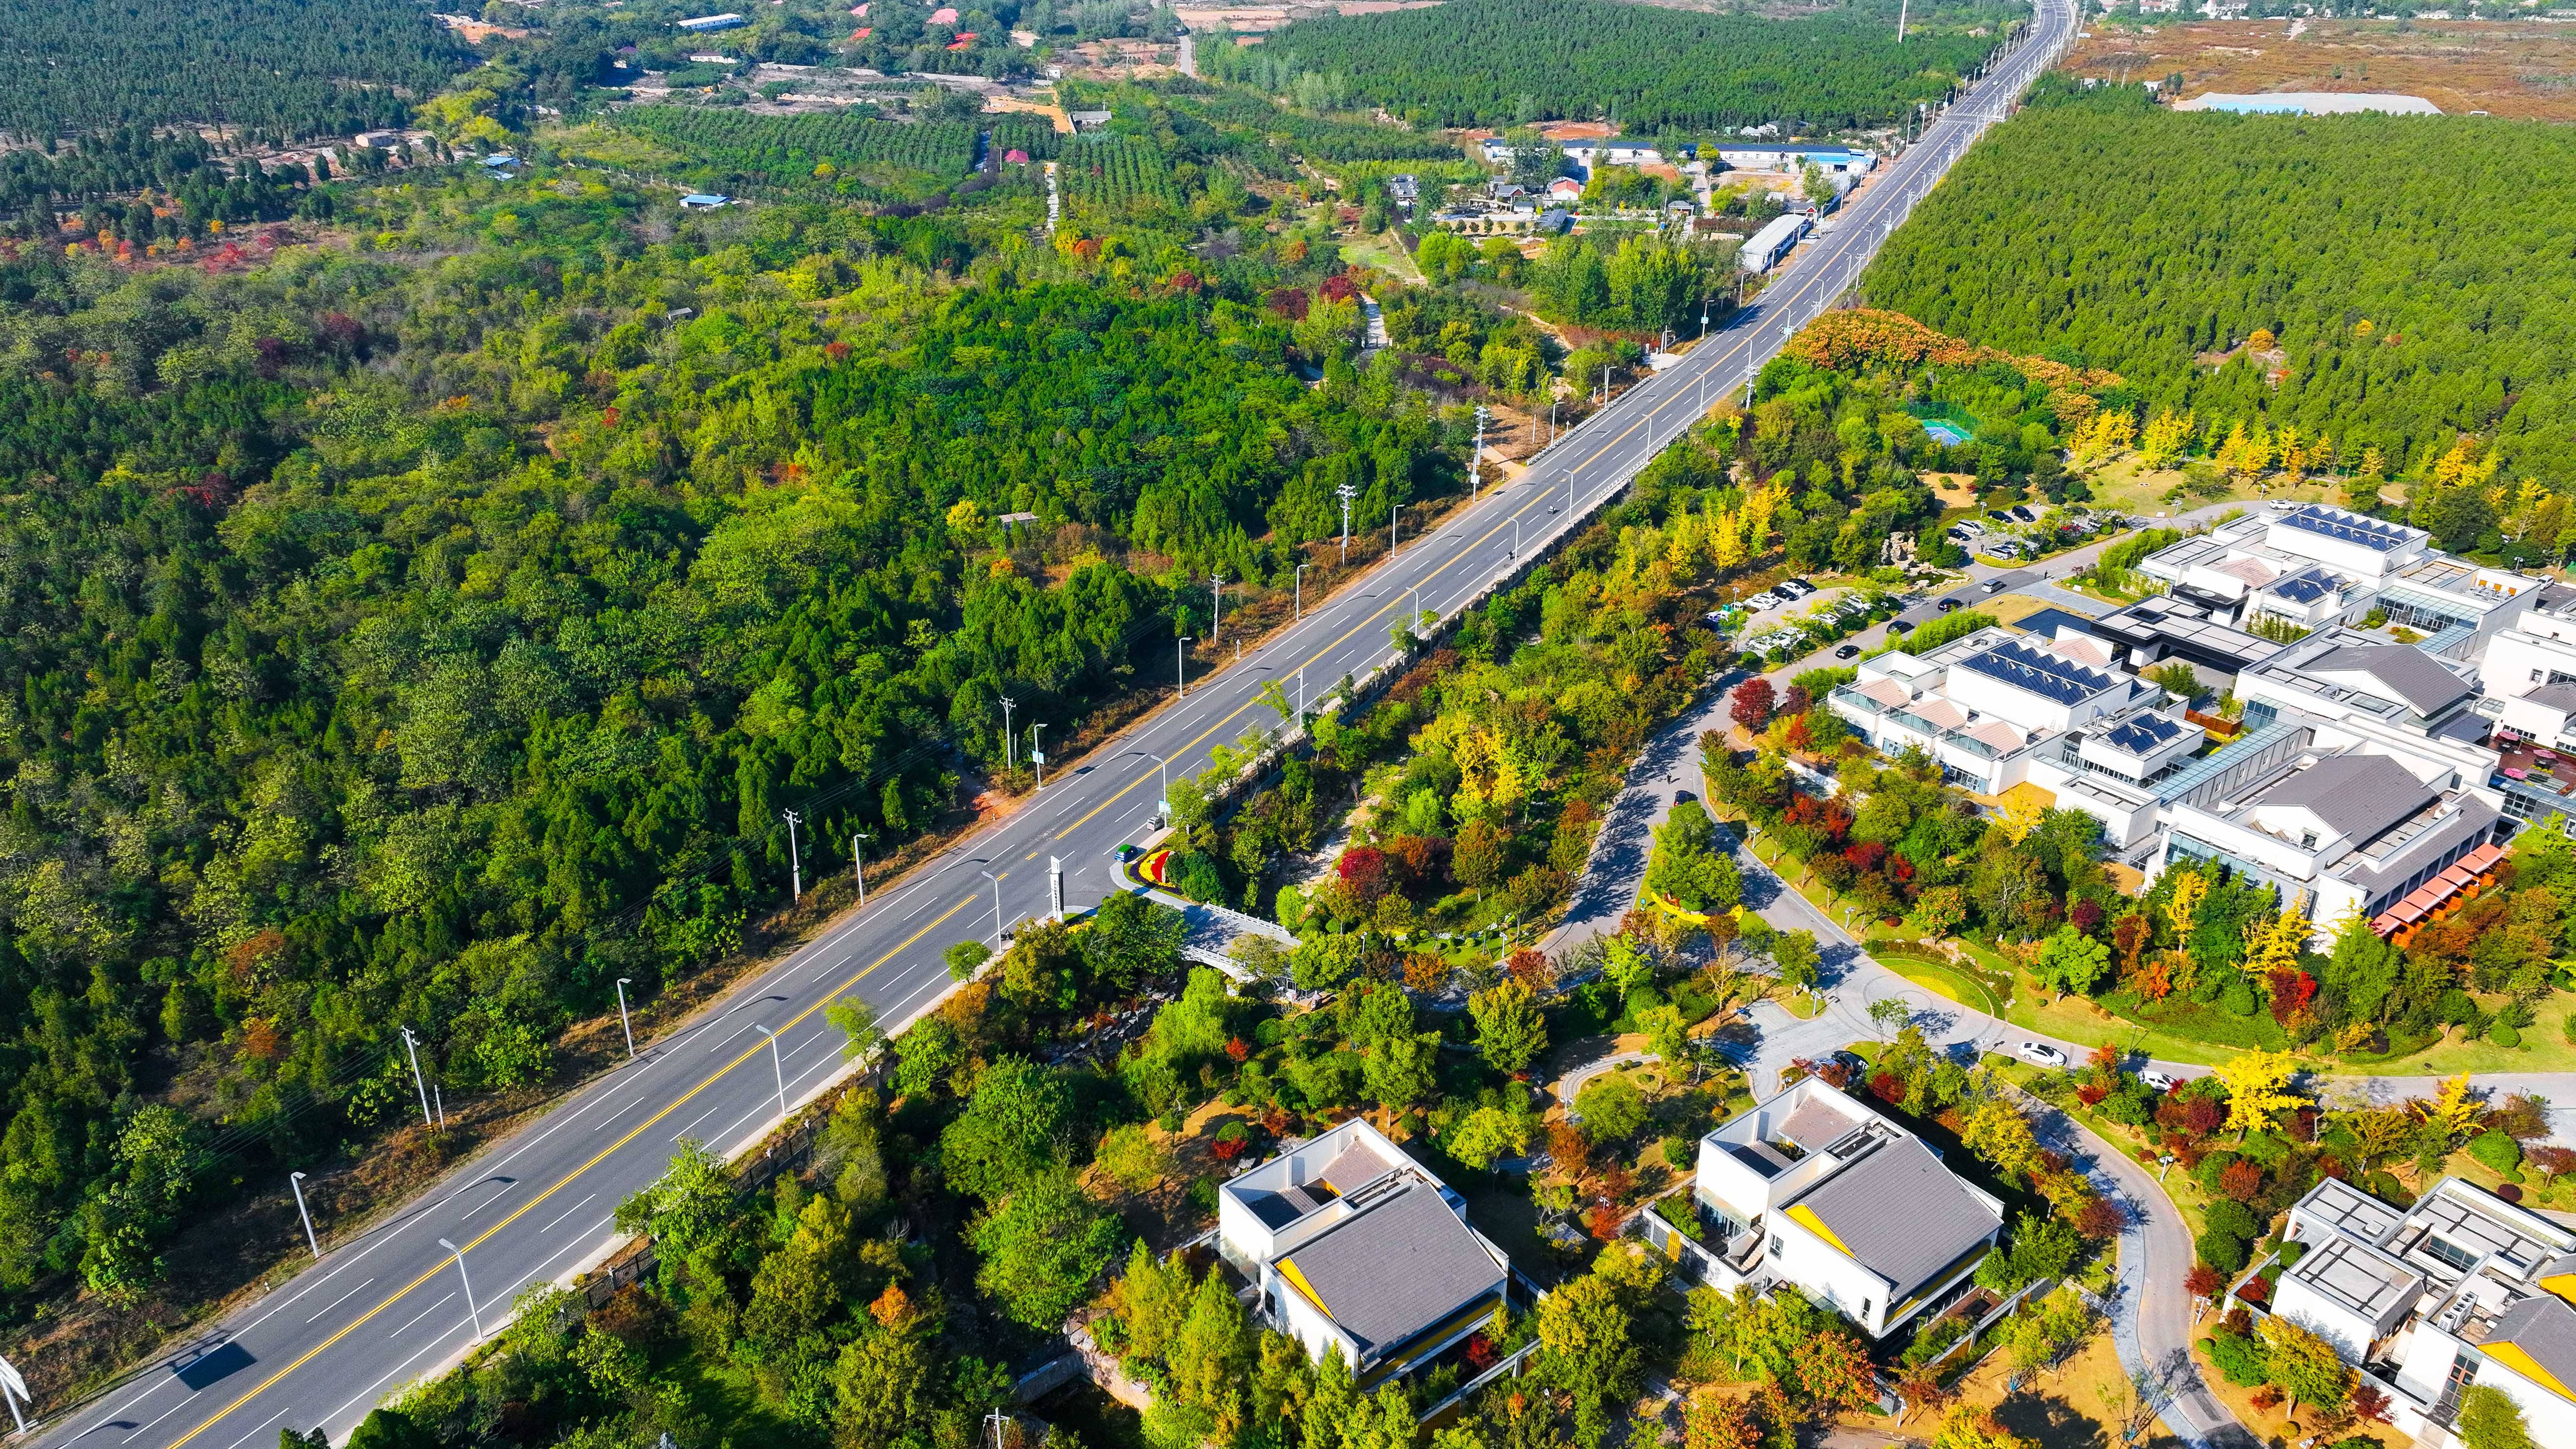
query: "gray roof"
1396, 1269
2545, 1328
2360, 1278
1818, 1123
1354, 1167
1901, 1214
2357, 796
2405, 670
2553, 696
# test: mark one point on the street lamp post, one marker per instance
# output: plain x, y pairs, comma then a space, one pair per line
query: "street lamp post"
859, 864
295, 1181
622, 983
1008, 704
1346, 493
1394, 511
1216, 607
1301, 589
778, 1065
1163, 777
468, 1280
1181, 664
997, 903
417, 1080
795, 859
1037, 756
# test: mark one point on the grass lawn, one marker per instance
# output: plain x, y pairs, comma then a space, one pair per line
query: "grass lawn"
1947, 980
2544, 1049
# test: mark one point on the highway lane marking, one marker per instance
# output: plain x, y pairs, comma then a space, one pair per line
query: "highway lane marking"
246, 1438
148, 1428
567, 1212
407, 1323
343, 1298
597, 1158
694, 1121
380, 1383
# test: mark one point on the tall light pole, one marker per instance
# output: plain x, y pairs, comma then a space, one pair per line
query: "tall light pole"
1394, 511
795, 858
622, 983
1516, 537
1216, 606
1346, 493
859, 864
417, 1080
1163, 782
1181, 664
1037, 756
997, 902
13, 1387
468, 1280
1301, 589
1008, 704
1476, 467
295, 1181
778, 1065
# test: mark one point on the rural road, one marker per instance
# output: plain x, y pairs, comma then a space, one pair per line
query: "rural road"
394, 1305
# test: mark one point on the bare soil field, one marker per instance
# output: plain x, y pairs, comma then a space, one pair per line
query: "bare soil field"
2520, 68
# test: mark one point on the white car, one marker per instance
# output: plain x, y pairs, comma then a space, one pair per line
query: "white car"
1794, 588
2161, 1081
2040, 1054
1969, 526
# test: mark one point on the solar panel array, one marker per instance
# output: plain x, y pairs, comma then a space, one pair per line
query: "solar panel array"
2142, 735
2042, 674
2348, 528
2308, 587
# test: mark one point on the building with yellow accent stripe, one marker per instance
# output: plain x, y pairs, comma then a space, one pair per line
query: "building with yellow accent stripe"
1357, 1249
1815, 1190
2460, 1289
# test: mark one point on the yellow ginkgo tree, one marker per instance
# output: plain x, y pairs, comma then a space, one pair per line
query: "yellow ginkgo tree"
2258, 1088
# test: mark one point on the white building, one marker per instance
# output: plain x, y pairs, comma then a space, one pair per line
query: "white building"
2462, 1288
1794, 156
1987, 706
1356, 1249
2315, 565
1814, 1190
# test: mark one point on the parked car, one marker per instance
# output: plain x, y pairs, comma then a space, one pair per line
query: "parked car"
1764, 603
1948, 605
2282, 505
1969, 526
1794, 588
1851, 1061
2005, 548
2160, 1081
1999, 516
1847, 651
2040, 1054
2022, 512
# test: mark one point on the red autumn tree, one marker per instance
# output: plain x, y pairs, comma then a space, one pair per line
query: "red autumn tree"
1753, 700
2241, 1180
1365, 874
1834, 1372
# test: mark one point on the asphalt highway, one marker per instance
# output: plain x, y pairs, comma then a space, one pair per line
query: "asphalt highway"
395, 1304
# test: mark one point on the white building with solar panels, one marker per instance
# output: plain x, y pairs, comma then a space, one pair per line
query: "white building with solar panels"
1986, 707
2314, 566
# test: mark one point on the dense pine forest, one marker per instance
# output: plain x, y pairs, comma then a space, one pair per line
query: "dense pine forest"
273, 68
1502, 62
2416, 272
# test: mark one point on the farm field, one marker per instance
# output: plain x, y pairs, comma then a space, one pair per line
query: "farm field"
2521, 69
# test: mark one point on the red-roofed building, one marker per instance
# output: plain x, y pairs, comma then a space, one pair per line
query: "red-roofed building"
963, 40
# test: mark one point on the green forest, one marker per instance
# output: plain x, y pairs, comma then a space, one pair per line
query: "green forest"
276, 70
2416, 272
1508, 62
427, 627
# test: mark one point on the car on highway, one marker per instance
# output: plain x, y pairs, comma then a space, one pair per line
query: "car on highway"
2040, 1054
2161, 1081
1847, 651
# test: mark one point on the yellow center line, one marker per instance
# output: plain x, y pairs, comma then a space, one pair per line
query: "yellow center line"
640, 1129
1337, 643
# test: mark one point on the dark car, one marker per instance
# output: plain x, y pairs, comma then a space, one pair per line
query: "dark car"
1948, 604
1847, 651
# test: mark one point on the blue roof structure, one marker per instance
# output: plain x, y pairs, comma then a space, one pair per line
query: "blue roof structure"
2345, 527
2307, 588
2042, 674
2144, 735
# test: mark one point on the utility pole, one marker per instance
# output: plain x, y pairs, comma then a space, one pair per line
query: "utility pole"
859, 865
1181, 664
1301, 589
1037, 756
622, 983
1346, 493
467, 1279
1901, 8
417, 1080
1216, 607
795, 861
1393, 512
295, 1180
777, 1065
1476, 469
1008, 704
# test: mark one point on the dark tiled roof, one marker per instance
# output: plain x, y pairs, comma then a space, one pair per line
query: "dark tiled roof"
2048, 675
2544, 1328
1396, 1269
2403, 669
2357, 796
2553, 696
1901, 1214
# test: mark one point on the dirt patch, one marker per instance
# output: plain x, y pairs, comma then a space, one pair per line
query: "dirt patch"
2521, 69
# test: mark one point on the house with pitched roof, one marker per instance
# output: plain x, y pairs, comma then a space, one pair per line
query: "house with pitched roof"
2462, 1288
1354, 1248
1814, 1190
